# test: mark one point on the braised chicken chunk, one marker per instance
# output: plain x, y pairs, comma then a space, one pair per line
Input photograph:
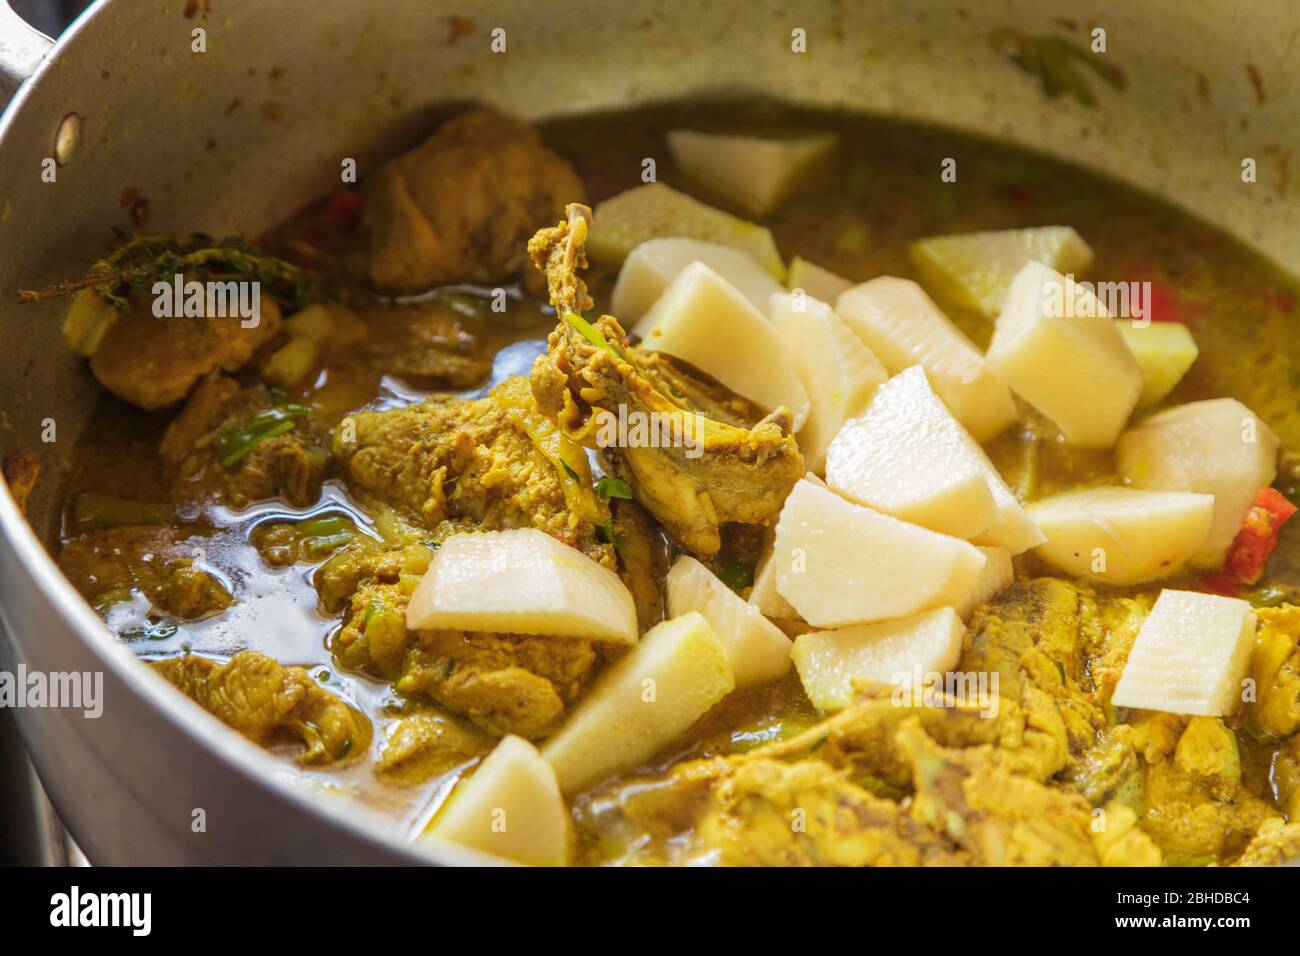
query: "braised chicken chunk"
461, 206
263, 700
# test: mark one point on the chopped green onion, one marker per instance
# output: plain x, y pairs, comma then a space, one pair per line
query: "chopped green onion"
154, 632
606, 533
106, 511
376, 607
613, 488
112, 596
234, 444
1268, 595
591, 333
318, 546
734, 574
325, 525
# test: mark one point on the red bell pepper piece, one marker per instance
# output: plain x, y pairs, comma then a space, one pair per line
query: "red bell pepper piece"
342, 210
1254, 543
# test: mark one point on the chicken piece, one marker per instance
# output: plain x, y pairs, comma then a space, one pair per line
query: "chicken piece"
427, 744
766, 812
1109, 769
1276, 670
691, 472
267, 701
1037, 634
461, 206
153, 362
426, 344
487, 464
20, 473
1209, 749
1004, 819
1274, 844
1197, 818
504, 683
863, 736
161, 563
644, 560
373, 638
288, 462
1119, 841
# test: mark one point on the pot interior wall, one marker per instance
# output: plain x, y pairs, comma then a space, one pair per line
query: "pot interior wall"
230, 139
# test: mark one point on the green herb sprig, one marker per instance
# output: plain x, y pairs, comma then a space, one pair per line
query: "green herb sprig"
140, 261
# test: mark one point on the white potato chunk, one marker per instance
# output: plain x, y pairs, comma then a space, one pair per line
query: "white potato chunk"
642, 703
759, 650
896, 652
1122, 535
653, 265
1190, 656
1164, 351
1215, 447
755, 173
975, 269
998, 573
908, 457
821, 284
837, 370
840, 563
1012, 527
1059, 350
657, 211
521, 581
510, 807
763, 595
703, 320
903, 327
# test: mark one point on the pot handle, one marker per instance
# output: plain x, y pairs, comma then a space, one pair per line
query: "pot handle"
21, 50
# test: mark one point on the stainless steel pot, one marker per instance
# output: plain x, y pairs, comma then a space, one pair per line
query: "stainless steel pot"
228, 139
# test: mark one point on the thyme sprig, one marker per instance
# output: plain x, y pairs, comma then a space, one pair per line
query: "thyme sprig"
140, 261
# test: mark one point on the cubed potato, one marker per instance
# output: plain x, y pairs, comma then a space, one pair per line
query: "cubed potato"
840, 563
642, 703
887, 652
1164, 351
1216, 447
998, 573
655, 211
510, 807
703, 320
653, 265
1122, 535
89, 317
1060, 351
821, 284
903, 327
1190, 656
908, 457
837, 370
754, 173
758, 649
521, 581
763, 595
975, 269
1012, 527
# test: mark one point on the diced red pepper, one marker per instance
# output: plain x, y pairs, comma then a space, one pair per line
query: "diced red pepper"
1254, 543
343, 210
1162, 304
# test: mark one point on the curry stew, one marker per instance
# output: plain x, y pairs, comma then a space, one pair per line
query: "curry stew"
785, 611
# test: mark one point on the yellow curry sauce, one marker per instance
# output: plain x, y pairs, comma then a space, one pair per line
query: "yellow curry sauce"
856, 221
